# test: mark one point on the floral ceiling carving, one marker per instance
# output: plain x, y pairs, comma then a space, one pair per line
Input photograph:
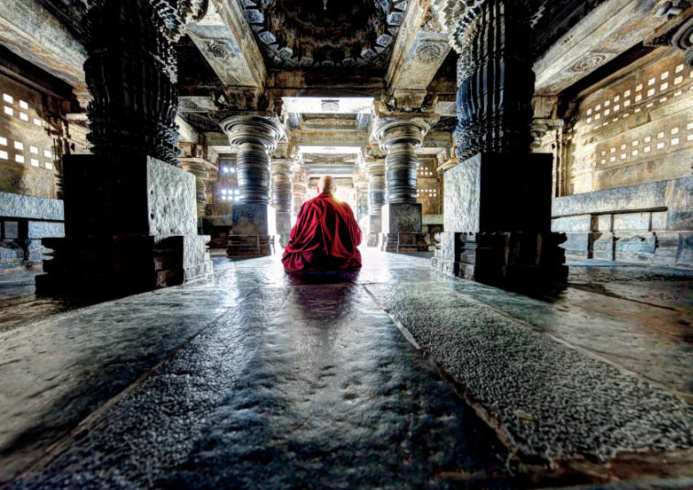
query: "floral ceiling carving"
318, 34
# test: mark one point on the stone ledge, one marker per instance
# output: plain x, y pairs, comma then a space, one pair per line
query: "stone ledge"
30, 207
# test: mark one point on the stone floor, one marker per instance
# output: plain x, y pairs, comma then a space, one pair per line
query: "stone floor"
392, 377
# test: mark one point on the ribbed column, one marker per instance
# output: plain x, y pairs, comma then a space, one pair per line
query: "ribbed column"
281, 185
376, 199
498, 199
252, 217
298, 191
399, 137
255, 137
495, 79
282, 197
131, 72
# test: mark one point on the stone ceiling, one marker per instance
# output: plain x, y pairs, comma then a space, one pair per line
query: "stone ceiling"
315, 34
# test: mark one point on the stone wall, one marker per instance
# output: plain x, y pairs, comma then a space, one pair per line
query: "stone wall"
27, 163
647, 223
24, 221
631, 128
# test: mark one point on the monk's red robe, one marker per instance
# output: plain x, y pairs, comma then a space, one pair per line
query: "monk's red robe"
325, 236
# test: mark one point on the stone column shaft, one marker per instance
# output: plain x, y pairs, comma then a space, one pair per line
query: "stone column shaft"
376, 200
399, 137
131, 73
253, 219
495, 79
282, 197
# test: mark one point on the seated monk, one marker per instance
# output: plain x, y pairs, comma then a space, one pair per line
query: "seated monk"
326, 234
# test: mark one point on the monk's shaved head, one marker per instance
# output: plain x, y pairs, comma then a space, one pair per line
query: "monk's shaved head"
326, 184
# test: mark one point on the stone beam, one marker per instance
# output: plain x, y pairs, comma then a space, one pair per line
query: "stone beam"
607, 31
419, 51
224, 38
33, 33
299, 83
332, 138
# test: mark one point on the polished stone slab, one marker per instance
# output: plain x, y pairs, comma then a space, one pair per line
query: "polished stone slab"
272, 396
190, 376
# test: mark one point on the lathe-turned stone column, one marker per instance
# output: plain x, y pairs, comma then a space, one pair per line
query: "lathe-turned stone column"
376, 199
298, 191
282, 197
253, 219
401, 215
201, 169
130, 214
497, 201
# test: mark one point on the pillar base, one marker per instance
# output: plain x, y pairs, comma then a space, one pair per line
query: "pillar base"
130, 225
511, 259
283, 227
375, 225
121, 265
404, 242
373, 240
249, 246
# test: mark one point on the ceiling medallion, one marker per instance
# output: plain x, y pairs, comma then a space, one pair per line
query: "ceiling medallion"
330, 105
320, 34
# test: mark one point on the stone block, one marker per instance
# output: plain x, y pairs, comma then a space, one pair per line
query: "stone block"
667, 250
246, 246
605, 223
45, 229
572, 223
404, 242
659, 220
603, 246
685, 250
253, 219
124, 264
496, 192
432, 219
450, 246
629, 198
30, 207
631, 221
577, 245
680, 205
401, 218
136, 195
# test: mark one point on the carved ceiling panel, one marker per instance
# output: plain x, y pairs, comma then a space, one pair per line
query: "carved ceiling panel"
326, 33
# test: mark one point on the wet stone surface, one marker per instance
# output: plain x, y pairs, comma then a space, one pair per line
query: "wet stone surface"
259, 378
308, 387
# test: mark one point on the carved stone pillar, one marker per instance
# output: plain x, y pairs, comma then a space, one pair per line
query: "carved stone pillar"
253, 219
200, 168
131, 72
282, 197
497, 209
130, 216
298, 190
401, 216
376, 199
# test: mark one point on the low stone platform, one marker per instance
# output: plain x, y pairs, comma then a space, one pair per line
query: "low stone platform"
260, 378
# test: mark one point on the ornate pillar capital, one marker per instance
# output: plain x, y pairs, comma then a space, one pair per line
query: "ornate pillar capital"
255, 129
389, 131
